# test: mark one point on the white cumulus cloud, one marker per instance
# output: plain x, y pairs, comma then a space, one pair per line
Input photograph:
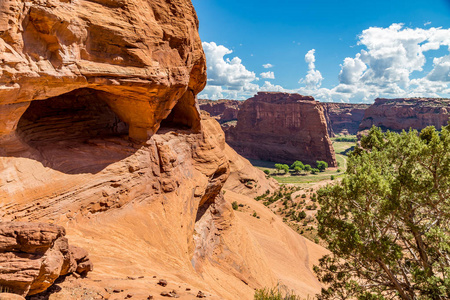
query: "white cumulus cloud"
268, 75
352, 70
392, 63
267, 66
225, 72
313, 79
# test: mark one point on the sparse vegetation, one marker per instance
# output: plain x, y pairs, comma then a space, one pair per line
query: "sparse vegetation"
276, 293
235, 205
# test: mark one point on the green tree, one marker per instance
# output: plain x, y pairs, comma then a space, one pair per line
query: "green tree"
298, 170
267, 172
279, 167
315, 171
321, 165
296, 164
387, 223
307, 168
282, 167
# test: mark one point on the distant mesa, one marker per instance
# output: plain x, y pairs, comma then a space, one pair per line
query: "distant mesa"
344, 118
282, 127
405, 113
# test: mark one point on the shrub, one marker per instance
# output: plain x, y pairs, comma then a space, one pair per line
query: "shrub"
235, 205
276, 293
301, 215
267, 172
332, 177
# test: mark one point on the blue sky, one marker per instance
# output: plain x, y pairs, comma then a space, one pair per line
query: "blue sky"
343, 51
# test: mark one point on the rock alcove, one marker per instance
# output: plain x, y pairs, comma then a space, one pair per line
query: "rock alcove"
79, 132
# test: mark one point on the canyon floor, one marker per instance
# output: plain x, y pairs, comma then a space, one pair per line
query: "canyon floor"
309, 180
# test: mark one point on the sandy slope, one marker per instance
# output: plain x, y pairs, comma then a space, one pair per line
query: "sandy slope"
290, 256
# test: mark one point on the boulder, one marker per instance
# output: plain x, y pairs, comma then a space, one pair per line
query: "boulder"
34, 255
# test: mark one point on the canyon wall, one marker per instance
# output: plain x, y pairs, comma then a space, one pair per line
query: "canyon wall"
403, 114
282, 127
222, 110
344, 118
100, 132
341, 118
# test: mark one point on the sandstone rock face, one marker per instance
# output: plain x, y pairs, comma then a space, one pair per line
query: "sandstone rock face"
34, 255
282, 127
399, 114
222, 110
125, 53
343, 118
143, 212
81, 82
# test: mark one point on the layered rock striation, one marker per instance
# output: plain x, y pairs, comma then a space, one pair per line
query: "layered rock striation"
126, 53
100, 132
344, 118
403, 114
282, 127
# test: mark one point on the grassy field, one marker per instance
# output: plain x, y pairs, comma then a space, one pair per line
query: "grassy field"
306, 179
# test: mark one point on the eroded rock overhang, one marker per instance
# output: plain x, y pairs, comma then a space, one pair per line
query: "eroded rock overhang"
142, 58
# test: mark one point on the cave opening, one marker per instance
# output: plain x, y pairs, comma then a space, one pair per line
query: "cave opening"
77, 115
183, 116
75, 132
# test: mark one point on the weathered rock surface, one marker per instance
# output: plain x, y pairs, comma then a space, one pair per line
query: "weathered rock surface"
403, 114
34, 255
282, 127
343, 118
222, 110
127, 53
9, 296
143, 214
78, 79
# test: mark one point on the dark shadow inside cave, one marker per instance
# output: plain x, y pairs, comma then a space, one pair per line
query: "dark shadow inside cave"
74, 133
184, 116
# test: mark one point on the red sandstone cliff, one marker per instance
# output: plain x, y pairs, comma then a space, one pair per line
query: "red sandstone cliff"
100, 132
344, 118
399, 114
282, 127
222, 110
